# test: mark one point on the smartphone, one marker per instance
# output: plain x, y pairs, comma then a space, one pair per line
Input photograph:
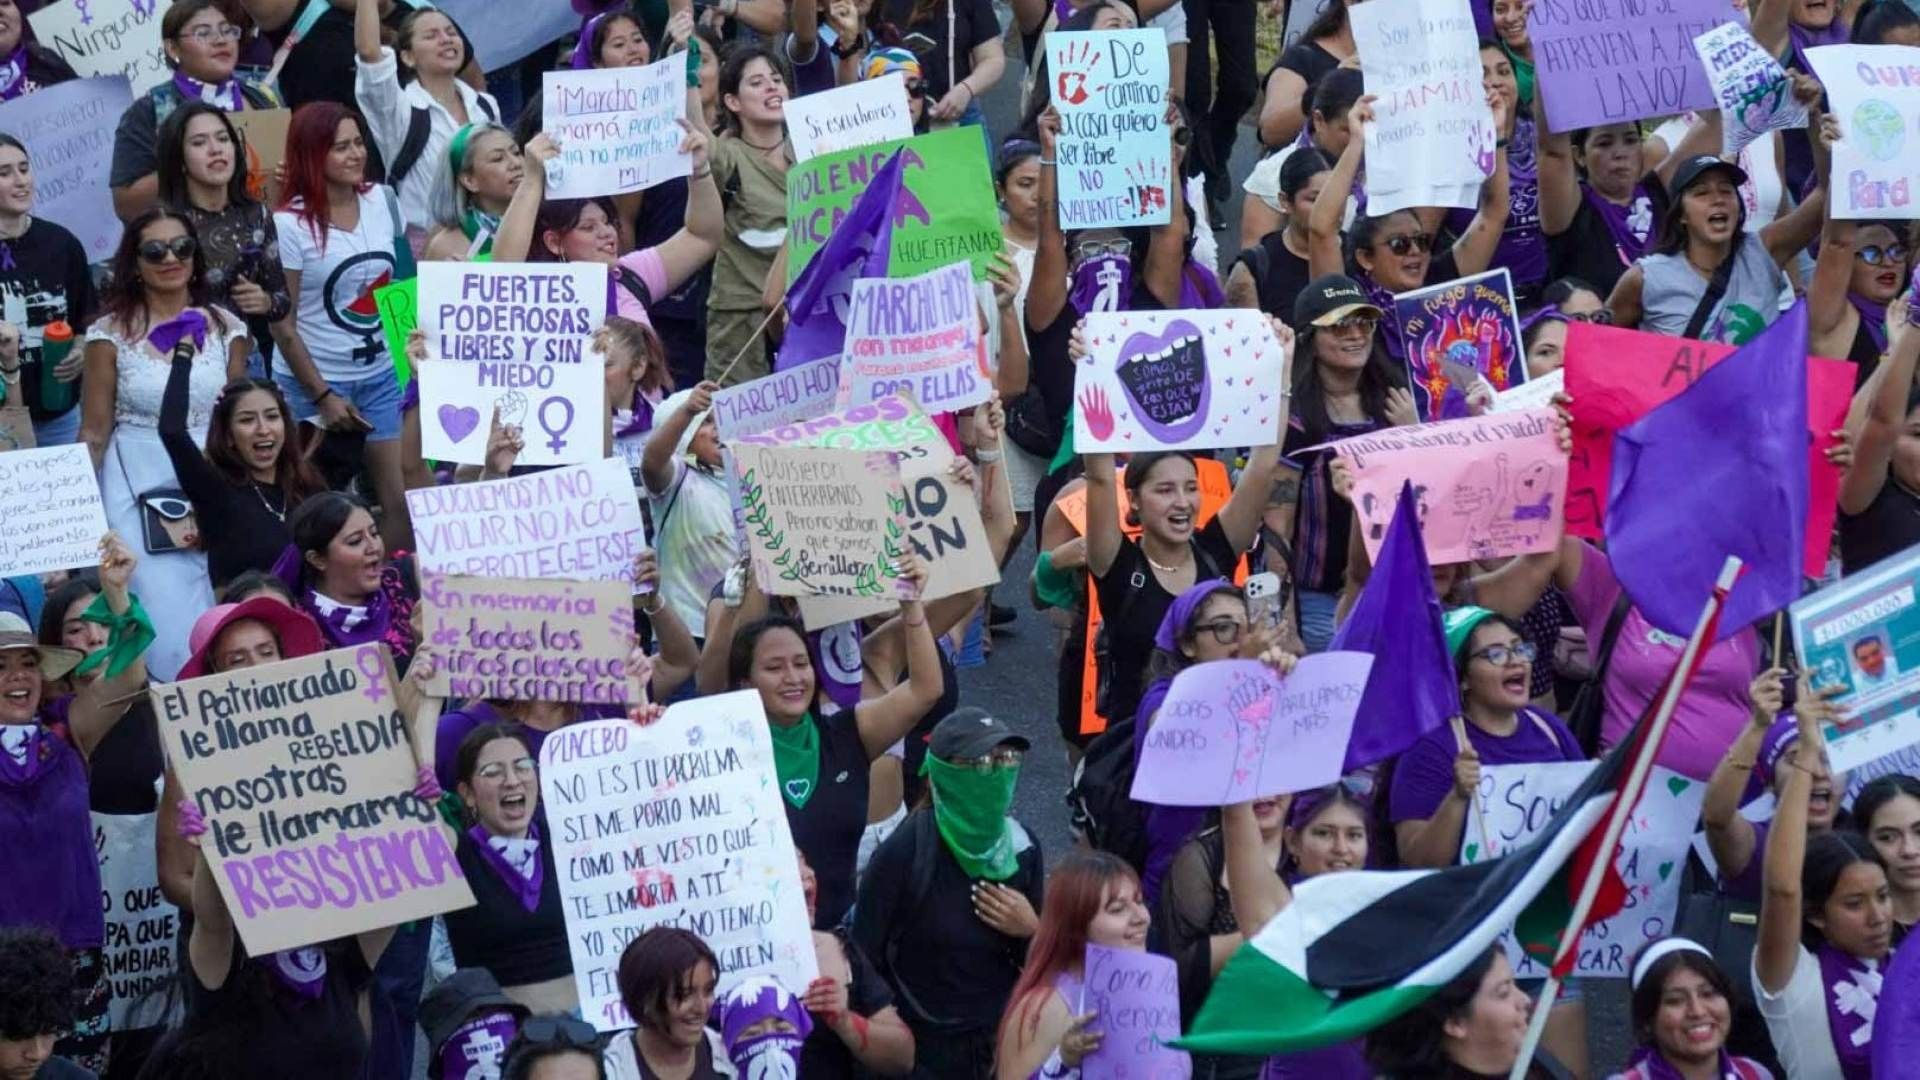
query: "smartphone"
1263, 600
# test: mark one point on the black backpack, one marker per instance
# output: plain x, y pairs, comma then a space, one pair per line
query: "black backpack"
1100, 804
419, 127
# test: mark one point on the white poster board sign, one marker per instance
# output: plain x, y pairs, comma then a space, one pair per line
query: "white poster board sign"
68, 133
1178, 380
1863, 635
1752, 88
577, 522
1871, 90
107, 37
1431, 142
854, 115
618, 129
140, 955
50, 503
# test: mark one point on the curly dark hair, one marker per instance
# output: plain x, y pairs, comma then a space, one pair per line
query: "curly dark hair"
36, 984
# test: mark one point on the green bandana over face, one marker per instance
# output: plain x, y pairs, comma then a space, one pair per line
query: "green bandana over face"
970, 806
796, 759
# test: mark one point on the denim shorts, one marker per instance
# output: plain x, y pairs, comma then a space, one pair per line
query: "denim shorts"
377, 397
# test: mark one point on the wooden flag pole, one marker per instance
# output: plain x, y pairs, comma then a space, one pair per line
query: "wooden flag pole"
1479, 805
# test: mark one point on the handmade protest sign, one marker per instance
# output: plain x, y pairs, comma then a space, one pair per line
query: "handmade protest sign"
555, 405
1751, 87
678, 823
1458, 334
1516, 801
850, 116
919, 336
265, 133
139, 955
1609, 61
399, 308
578, 522
68, 132
1178, 380
947, 211
1115, 154
1233, 730
1875, 93
891, 423
1488, 486
618, 128
505, 312
50, 502
305, 773
106, 38
801, 392
527, 640
1136, 996
1432, 139
1535, 393
1863, 635
1616, 376
822, 522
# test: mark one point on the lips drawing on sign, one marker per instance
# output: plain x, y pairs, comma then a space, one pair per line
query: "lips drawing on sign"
1165, 376
458, 421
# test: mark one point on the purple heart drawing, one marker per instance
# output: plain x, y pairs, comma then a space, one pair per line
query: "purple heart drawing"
458, 421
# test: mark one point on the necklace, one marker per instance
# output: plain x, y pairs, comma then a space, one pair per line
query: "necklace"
763, 149
278, 515
1161, 567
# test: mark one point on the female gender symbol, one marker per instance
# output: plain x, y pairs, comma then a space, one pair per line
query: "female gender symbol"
368, 661
556, 442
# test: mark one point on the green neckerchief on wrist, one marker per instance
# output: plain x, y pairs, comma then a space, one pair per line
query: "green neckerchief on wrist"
970, 807
796, 759
128, 636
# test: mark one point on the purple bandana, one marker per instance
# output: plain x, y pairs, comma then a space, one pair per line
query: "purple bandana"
583, 52
1200, 287
1388, 334
345, 624
1873, 317
1652, 1066
13, 77
1167, 637
641, 421
301, 972
1630, 226
40, 753
226, 95
838, 662
188, 324
524, 883
1102, 284
752, 1000
1852, 990
476, 1048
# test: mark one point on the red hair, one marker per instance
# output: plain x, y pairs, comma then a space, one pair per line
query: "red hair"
310, 136
1076, 891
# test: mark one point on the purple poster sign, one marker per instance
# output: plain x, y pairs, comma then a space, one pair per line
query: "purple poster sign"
1137, 996
1233, 730
1458, 334
1609, 61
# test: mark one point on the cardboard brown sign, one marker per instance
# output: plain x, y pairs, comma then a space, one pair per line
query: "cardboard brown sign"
524, 639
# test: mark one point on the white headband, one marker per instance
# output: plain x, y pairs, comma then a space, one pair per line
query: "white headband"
1659, 949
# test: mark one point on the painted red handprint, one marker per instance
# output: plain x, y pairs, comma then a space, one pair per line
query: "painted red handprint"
1150, 180
1097, 413
1076, 62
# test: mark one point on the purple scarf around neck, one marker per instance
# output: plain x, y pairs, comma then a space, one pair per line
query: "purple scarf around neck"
226, 95
1851, 988
1388, 334
1873, 317
1630, 239
13, 77
41, 749
1656, 1067
333, 619
525, 887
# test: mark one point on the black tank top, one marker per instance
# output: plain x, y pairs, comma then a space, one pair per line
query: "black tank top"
1864, 354
1278, 274
827, 830
1890, 524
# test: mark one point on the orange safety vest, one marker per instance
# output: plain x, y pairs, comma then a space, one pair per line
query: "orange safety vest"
1215, 490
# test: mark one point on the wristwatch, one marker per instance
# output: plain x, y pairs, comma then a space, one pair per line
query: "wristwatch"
847, 52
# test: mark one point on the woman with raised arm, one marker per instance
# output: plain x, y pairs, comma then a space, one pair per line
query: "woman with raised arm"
1880, 490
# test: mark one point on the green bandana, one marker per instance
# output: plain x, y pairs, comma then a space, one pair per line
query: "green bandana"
971, 809
796, 759
127, 636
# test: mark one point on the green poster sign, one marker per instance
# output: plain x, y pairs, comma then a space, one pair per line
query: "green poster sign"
399, 305
947, 212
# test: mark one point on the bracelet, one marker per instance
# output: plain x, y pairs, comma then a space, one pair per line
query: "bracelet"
1498, 143
702, 174
1739, 766
659, 602
324, 395
986, 457
1048, 163
962, 85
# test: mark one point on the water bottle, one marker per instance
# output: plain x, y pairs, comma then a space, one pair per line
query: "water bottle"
56, 341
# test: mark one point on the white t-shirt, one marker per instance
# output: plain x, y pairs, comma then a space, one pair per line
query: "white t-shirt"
693, 532
1797, 1021
335, 308
388, 109
622, 1063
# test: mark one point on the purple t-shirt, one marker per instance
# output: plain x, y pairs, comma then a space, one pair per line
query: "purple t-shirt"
1424, 774
1341, 1061
816, 72
1523, 247
1746, 884
1714, 707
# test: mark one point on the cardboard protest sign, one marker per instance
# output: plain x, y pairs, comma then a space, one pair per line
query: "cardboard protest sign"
618, 128
944, 528
1457, 334
1115, 153
50, 502
1609, 61
1488, 486
1432, 139
578, 523
1874, 90
801, 392
917, 335
1536, 393
16, 423
1616, 376
305, 772
850, 116
528, 640
557, 407
399, 308
1178, 380
1136, 996
1863, 634
1518, 800
68, 132
1234, 730
946, 213
106, 38
891, 423
679, 823
139, 957
822, 522
265, 133
1751, 87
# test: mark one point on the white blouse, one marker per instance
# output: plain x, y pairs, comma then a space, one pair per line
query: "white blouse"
142, 373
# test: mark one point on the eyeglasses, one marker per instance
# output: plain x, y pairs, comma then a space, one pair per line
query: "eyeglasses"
1874, 254
523, 768
1224, 631
1087, 250
1599, 317
916, 88
1502, 655
1004, 757
1416, 244
1364, 324
205, 35
156, 251
551, 1030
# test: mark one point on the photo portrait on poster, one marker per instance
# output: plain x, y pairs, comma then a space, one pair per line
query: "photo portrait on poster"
1863, 635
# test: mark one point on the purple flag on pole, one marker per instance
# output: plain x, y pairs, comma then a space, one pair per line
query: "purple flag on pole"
857, 248
1411, 689
1719, 470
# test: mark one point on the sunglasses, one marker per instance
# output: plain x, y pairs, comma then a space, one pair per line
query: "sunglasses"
1502, 655
1364, 324
559, 1031
1875, 255
1416, 244
170, 507
156, 251
916, 88
1003, 757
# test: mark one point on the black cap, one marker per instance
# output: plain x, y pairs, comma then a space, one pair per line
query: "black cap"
969, 732
1692, 169
455, 1000
1329, 298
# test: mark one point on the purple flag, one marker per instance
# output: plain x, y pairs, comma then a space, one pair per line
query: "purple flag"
858, 248
1718, 470
1411, 689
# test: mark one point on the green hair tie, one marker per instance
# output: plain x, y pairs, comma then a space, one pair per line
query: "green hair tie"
457, 149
